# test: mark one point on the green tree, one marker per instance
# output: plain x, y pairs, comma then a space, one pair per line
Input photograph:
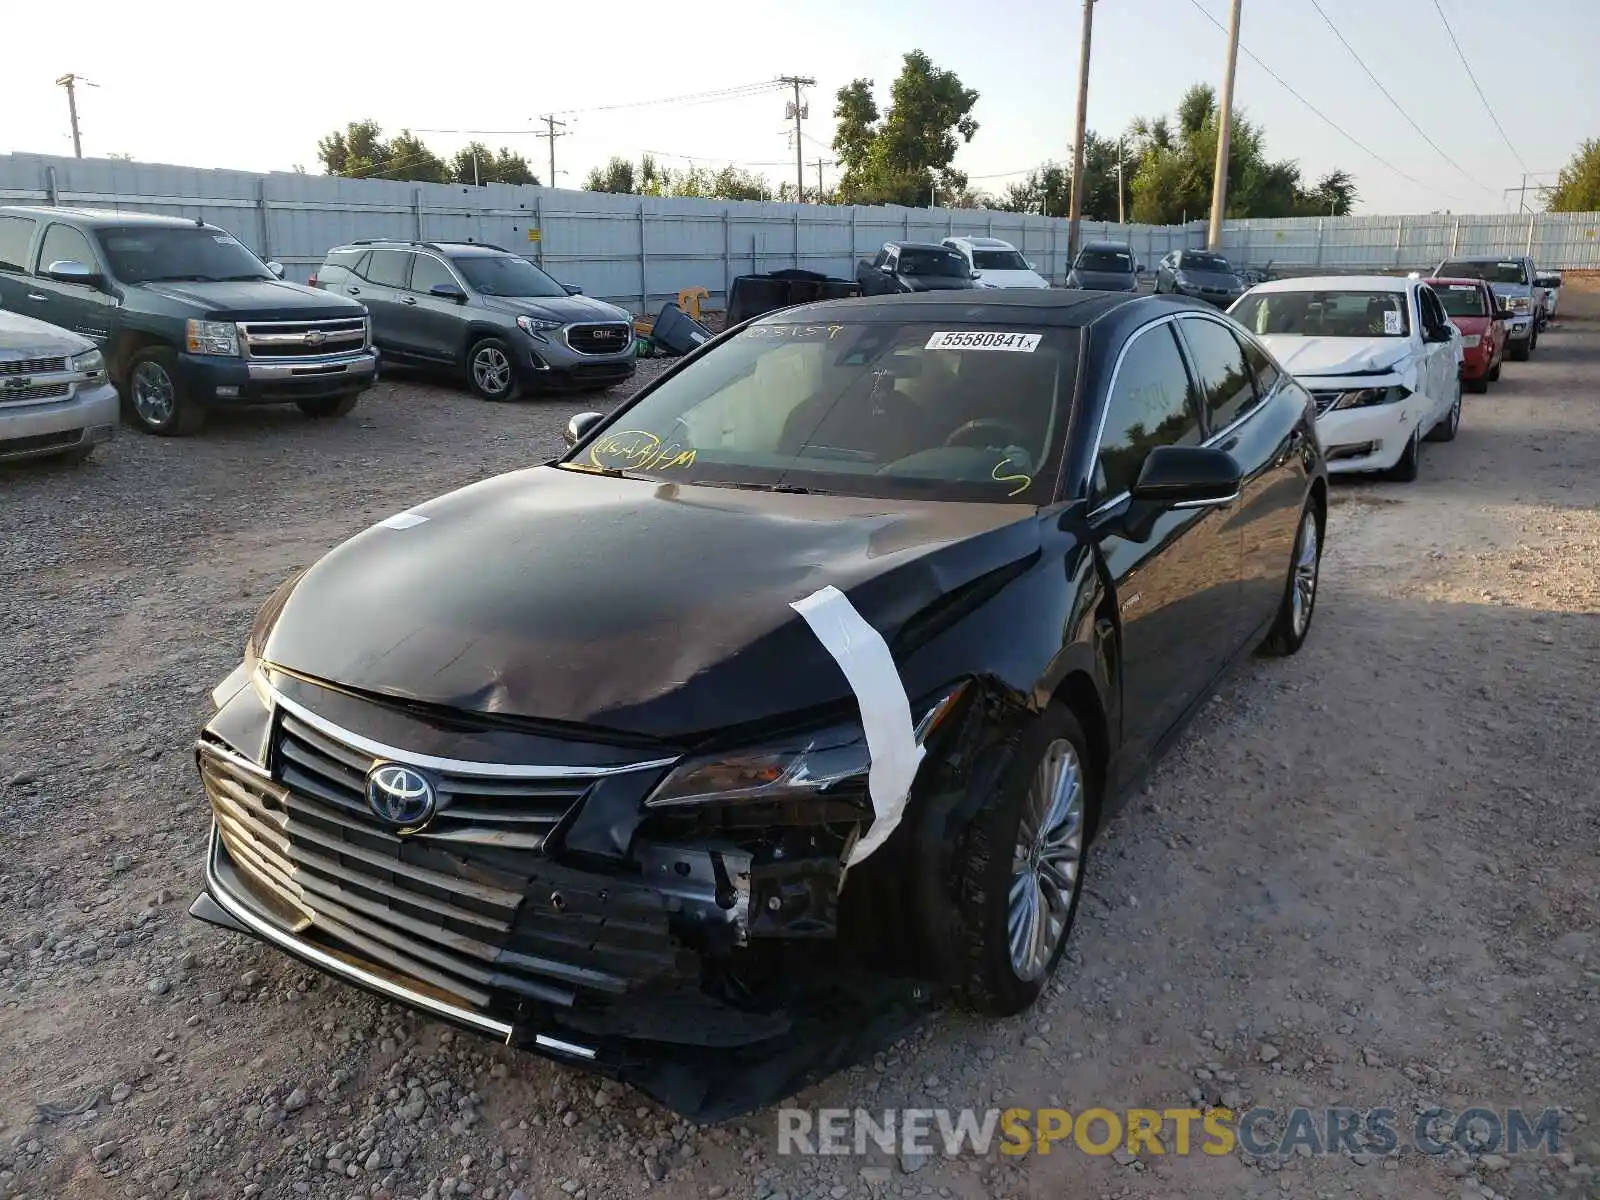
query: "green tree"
359, 151
1578, 186
649, 178
473, 163
1176, 163
899, 156
1048, 189
616, 176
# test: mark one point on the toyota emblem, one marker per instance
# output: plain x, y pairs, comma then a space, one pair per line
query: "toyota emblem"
401, 796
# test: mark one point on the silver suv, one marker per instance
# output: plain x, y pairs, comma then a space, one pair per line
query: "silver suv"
55, 398
483, 313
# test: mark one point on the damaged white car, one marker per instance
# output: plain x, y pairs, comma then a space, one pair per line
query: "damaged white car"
1380, 356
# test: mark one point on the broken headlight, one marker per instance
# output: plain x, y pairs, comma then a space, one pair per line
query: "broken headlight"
1366, 397
242, 675
795, 767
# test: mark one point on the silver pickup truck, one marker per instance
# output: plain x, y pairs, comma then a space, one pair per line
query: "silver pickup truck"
55, 398
1518, 285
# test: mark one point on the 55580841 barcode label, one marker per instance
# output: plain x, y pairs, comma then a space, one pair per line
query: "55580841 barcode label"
975, 339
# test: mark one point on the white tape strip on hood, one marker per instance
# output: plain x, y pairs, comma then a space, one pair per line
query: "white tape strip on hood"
868, 667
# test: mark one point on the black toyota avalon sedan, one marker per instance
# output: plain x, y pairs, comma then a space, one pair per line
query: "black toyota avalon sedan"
824, 657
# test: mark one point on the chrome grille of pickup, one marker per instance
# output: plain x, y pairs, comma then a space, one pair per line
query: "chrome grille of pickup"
32, 366
303, 339
608, 338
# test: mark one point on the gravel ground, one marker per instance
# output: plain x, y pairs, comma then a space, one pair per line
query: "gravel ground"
1366, 876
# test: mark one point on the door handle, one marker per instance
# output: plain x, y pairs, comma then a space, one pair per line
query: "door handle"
354, 291
408, 299
38, 297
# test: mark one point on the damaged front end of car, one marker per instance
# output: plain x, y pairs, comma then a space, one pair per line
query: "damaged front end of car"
687, 919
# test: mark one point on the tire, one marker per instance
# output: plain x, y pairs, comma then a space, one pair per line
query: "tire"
1405, 471
155, 399
491, 371
1533, 339
990, 885
1479, 385
1518, 351
1299, 603
328, 407
1445, 430
1494, 372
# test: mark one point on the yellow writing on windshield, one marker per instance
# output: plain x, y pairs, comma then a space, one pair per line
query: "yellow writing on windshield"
1023, 482
638, 450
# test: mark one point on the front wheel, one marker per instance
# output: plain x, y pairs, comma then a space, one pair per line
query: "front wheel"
491, 372
324, 407
1020, 870
1517, 351
1445, 430
1494, 372
1405, 471
155, 397
1293, 622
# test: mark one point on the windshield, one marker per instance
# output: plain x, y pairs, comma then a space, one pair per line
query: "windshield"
1494, 272
1324, 314
999, 260
148, 255
505, 275
1106, 260
1191, 261
1461, 299
933, 262
941, 411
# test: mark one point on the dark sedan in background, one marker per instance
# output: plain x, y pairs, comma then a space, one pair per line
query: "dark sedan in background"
1199, 275
827, 654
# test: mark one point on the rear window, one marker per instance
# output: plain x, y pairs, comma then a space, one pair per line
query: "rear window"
1505, 271
1461, 299
925, 409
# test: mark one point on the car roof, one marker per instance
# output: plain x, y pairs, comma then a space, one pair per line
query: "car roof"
1336, 283
919, 246
1485, 258
1014, 306
1430, 280
101, 218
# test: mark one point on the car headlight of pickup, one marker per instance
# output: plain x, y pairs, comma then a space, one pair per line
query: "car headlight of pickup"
798, 767
212, 337
1519, 304
91, 364
1368, 397
537, 326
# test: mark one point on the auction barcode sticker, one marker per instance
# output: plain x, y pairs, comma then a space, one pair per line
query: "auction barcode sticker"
973, 339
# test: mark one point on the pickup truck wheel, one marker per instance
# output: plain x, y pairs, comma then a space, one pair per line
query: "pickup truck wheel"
156, 399
1517, 351
329, 406
1289, 631
1020, 871
490, 371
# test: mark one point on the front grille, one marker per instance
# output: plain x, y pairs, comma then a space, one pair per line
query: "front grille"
34, 393
32, 366
610, 338
303, 339
1325, 400
466, 907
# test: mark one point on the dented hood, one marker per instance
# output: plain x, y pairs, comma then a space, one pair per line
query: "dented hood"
1316, 356
658, 610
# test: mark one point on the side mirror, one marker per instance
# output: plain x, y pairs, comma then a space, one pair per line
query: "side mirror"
1503, 314
448, 291
886, 269
1187, 477
572, 289
276, 268
1032, 266
977, 274
1440, 333
70, 270
579, 426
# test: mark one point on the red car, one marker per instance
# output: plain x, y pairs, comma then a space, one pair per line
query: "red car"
1472, 306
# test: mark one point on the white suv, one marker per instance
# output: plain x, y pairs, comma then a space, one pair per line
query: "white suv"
997, 264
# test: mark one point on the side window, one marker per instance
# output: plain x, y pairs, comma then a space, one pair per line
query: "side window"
1261, 366
426, 271
15, 235
1432, 311
891, 259
387, 268
882, 257
1224, 377
64, 242
1150, 404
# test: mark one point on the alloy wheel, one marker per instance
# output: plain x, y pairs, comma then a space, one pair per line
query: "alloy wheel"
491, 370
1306, 565
154, 397
1047, 860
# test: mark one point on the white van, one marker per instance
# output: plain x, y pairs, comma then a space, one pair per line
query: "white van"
997, 264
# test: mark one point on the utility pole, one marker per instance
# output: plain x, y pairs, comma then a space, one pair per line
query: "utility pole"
798, 111
1219, 185
1522, 192
820, 164
1120, 214
1077, 141
70, 82
550, 135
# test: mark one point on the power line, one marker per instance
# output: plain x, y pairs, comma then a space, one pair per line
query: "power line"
1327, 120
1390, 98
710, 97
1487, 106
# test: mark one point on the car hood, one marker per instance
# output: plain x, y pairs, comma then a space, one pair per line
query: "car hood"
255, 300
1511, 289
936, 283
1338, 356
565, 309
1105, 281
1013, 279
26, 337
1211, 279
654, 609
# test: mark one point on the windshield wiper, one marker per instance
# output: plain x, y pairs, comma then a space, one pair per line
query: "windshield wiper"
182, 279
244, 278
786, 488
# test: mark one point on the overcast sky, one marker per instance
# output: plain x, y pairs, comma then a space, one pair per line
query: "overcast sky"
252, 86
